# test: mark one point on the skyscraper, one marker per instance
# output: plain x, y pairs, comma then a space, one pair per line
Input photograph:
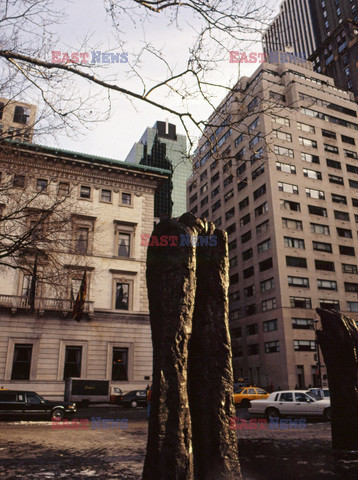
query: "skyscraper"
281, 178
162, 144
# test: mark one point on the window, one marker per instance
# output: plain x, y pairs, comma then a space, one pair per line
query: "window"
214, 165
302, 323
215, 192
287, 152
286, 397
241, 185
307, 142
353, 183
288, 188
264, 246
263, 227
228, 195
240, 154
308, 157
232, 245
313, 193
252, 329
215, 178
19, 181
41, 184
328, 304
267, 285
215, 206
231, 229
352, 169
261, 209
305, 345
254, 141
241, 169
329, 134
270, 325
64, 188
324, 265
296, 262
81, 239
254, 124
251, 106
305, 128
233, 262
294, 242
331, 148
192, 186
244, 203
341, 215
227, 182
290, 205
21, 361
236, 332
253, 349
250, 309
234, 279
300, 302
349, 268
346, 250
248, 272
217, 222
302, 282
257, 172
192, 199
256, 156
322, 247
336, 179
85, 192
73, 358
204, 201
291, 223
282, 135
269, 304
286, 167
106, 195
244, 220
194, 210
277, 96
21, 115
352, 306
239, 139
126, 198
230, 213
346, 139
312, 174
120, 363
334, 164
249, 291
318, 228
272, 347
344, 232
320, 211
122, 296
260, 191
265, 265
281, 120
227, 166
204, 175
326, 284
246, 237
350, 154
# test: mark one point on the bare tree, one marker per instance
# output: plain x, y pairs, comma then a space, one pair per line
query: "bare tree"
71, 89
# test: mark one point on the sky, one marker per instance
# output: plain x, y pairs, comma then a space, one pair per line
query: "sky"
115, 137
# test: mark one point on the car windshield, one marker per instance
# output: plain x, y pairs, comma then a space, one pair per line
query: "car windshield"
239, 390
326, 393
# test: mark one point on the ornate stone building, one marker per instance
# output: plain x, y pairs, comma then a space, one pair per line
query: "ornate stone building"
104, 207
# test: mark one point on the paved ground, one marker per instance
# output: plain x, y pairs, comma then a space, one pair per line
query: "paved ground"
115, 450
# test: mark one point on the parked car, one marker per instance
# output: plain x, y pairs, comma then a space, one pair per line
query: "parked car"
319, 392
291, 403
115, 393
17, 402
133, 399
243, 396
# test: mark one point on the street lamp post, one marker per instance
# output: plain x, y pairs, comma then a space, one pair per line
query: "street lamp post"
315, 322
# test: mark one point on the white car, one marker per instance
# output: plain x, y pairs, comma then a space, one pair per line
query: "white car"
319, 392
291, 403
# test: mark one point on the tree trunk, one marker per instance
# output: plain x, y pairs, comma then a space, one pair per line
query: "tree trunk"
338, 340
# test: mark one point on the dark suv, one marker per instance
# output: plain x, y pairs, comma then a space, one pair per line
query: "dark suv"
17, 402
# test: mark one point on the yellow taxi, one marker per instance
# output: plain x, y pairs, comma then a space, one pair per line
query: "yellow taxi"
243, 395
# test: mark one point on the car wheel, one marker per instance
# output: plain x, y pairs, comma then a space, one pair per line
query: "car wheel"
57, 414
134, 404
327, 413
246, 403
272, 414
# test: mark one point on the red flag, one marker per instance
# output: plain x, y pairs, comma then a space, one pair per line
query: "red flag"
80, 300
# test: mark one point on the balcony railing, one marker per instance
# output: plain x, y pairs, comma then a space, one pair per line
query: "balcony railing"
42, 304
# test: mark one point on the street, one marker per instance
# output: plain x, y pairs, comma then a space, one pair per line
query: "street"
115, 450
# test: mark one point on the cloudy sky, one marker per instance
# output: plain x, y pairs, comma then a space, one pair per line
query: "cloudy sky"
115, 137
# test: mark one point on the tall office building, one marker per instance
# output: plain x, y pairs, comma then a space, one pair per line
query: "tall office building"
280, 175
291, 28
325, 31
149, 151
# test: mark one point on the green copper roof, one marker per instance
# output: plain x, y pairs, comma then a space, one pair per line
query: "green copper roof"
88, 158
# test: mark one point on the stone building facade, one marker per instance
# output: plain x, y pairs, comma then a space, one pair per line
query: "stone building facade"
280, 174
109, 205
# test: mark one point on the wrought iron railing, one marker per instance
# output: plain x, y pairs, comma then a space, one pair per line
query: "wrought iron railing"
42, 303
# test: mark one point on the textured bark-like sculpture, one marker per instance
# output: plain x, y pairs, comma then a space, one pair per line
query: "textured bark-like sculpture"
179, 277
338, 340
